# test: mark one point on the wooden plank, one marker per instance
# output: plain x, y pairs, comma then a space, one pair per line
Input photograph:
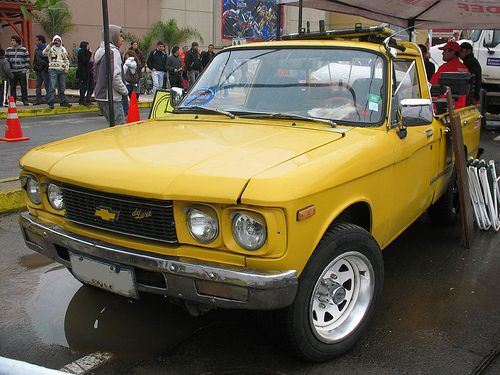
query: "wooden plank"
461, 167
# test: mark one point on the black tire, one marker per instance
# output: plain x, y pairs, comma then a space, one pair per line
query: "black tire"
338, 294
446, 210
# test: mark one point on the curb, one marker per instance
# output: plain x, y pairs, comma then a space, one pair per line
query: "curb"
60, 110
11, 197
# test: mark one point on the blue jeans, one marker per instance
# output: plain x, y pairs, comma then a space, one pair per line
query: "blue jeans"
157, 76
57, 76
41, 77
130, 89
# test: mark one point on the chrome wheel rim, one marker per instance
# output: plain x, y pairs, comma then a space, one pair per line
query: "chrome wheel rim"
341, 296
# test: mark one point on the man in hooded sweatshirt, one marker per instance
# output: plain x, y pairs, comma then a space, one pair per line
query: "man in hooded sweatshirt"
58, 68
101, 79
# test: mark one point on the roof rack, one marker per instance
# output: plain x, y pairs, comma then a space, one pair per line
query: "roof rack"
358, 31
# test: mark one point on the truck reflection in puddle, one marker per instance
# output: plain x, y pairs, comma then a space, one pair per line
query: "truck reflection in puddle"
95, 320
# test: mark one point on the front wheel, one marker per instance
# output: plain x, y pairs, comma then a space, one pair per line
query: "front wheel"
339, 291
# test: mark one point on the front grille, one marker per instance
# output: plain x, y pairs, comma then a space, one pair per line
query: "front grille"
141, 217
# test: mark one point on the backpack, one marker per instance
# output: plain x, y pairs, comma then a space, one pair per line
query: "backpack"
132, 78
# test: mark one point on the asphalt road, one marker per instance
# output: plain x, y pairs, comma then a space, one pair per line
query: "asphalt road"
440, 309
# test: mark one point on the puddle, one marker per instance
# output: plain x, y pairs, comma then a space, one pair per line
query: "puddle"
47, 308
34, 260
87, 319
100, 321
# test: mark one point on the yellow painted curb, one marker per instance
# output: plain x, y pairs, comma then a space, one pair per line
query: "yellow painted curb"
11, 198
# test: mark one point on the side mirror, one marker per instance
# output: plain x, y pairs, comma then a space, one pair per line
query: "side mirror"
176, 95
415, 112
488, 38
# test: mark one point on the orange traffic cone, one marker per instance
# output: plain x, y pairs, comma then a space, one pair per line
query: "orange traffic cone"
13, 130
133, 109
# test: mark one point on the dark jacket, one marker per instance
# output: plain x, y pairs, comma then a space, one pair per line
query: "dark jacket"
5, 71
206, 57
157, 60
192, 60
475, 68
83, 70
40, 62
174, 62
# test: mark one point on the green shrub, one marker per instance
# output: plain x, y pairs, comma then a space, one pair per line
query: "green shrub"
71, 81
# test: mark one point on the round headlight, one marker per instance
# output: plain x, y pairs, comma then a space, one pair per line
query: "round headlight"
250, 234
54, 194
203, 227
33, 190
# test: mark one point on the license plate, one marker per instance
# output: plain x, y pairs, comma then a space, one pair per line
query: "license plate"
108, 276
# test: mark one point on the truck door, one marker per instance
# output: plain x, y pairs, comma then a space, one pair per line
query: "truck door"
416, 157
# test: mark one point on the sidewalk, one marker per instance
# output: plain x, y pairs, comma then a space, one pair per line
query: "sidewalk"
145, 101
10, 189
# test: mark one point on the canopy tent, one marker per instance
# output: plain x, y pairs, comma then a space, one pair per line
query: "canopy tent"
422, 14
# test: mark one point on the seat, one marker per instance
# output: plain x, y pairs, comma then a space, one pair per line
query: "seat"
362, 87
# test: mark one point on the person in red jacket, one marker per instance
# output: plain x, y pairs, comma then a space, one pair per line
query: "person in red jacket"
451, 54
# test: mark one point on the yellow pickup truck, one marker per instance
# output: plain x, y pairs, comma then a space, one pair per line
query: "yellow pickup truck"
273, 185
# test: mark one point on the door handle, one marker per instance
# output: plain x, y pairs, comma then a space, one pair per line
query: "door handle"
429, 133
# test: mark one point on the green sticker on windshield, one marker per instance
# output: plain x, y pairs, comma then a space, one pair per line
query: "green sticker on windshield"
374, 98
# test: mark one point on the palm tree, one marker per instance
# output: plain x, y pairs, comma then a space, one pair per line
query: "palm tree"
55, 21
172, 35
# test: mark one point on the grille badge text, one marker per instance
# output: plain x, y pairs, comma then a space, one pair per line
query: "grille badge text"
139, 214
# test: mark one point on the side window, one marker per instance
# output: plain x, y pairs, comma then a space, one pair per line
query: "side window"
405, 83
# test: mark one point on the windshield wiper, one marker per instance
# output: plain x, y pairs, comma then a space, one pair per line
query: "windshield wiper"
208, 109
288, 116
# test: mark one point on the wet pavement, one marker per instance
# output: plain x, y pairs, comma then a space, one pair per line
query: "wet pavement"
440, 314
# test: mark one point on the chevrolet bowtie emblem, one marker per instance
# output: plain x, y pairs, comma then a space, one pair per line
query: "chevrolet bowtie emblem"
106, 213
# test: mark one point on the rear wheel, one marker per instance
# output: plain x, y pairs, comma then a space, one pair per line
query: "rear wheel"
338, 294
447, 208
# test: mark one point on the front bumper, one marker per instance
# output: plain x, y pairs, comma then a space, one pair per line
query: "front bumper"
185, 279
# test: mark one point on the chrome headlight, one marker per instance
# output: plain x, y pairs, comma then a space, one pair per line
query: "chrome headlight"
203, 227
54, 194
33, 190
249, 230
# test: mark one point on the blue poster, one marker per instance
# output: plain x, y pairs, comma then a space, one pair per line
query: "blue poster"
249, 19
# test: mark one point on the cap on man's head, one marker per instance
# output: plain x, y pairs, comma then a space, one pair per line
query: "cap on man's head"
451, 45
466, 46
194, 44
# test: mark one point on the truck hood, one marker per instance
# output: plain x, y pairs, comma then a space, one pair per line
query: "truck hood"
178, 159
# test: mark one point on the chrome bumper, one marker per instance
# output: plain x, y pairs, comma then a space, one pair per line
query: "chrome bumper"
186, 279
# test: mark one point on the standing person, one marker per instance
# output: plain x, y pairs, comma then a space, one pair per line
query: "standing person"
156, 62
451, 54
19, 60
141, 60
174, 68
5, 75
207, 56
83, 72
430, 69
130, 66
101, 78
193, 63
473, 65
41, 68
184, 71
58, 68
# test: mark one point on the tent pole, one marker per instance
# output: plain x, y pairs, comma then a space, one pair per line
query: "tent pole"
107, 59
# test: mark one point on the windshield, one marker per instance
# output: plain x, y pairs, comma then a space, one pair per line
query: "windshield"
341, 85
